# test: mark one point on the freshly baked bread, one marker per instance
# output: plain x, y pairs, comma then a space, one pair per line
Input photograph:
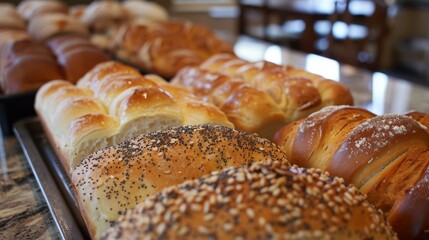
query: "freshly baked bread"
260, 97
166, 47
421, 117
9, 17
260, 201
112, 103
26, 65
149, 11
32, 8
103, 16
48, 25
385, 157
76, 55
115, 179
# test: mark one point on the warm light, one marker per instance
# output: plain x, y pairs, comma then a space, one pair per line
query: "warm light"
326, 67
379, 85
273, 54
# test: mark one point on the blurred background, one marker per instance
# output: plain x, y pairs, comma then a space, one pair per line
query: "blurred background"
390, 36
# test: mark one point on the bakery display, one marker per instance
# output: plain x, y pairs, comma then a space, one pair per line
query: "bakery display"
166, 47
385, 157
117, 178
123, 137
260, 97
110, 104
260, 201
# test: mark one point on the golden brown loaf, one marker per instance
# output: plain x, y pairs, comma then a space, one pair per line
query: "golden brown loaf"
26, 65
76, 55
166, 47
385, 157
260, 97
115, 179
260, 201
110, 104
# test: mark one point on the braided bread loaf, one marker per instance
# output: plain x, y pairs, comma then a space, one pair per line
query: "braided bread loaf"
166, 47
115, 179
386, 157
260, 97
111, 103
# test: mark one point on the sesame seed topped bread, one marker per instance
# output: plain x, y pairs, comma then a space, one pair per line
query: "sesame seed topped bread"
261, 201
117, 178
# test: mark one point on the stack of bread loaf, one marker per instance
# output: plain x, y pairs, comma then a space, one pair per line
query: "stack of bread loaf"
166, 47
53, 47
261, 97
111, 103
385, 157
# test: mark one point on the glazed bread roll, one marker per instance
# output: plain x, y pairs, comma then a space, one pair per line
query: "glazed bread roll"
29, 9
260, 97
115, 179
48, 25
26, 65
9, 17
166, 47
110, 104
260, 201
76, 55
385, 157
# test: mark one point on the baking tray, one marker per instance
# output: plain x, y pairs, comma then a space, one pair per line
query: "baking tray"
14, 107
52, 178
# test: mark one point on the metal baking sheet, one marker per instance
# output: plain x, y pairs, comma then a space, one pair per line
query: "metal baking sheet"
52, 179
14, 107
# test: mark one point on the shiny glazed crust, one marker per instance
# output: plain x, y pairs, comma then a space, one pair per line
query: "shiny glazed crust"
386, 157
260, 97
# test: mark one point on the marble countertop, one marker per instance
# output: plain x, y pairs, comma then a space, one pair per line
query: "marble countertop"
24, 213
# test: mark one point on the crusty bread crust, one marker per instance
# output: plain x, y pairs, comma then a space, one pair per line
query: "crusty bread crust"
117, 178
261, 201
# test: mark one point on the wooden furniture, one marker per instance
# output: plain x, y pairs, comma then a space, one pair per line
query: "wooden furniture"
310, 13
364, 50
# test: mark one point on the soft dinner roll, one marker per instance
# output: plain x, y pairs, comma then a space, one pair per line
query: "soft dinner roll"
112, 180
262, 201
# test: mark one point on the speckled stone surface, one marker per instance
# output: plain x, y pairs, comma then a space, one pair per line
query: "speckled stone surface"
23, 211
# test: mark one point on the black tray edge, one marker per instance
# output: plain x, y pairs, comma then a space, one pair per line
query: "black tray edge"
66, 224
